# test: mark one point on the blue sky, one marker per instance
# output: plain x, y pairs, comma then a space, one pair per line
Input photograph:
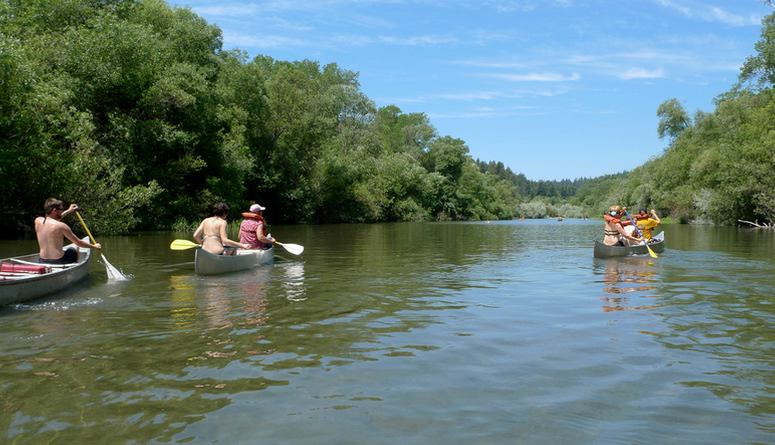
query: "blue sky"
552, 88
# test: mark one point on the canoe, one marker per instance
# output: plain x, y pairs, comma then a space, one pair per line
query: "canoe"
22, 278
657, 244
205, 263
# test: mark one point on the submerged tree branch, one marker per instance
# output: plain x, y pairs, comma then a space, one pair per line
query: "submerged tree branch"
756, 224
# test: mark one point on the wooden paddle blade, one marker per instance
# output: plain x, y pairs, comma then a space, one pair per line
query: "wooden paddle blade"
182, 244
295, 249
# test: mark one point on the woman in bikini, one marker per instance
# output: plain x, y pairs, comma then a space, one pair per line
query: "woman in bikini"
211, 232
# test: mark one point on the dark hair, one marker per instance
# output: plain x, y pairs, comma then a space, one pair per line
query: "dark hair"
51, 204
220, 209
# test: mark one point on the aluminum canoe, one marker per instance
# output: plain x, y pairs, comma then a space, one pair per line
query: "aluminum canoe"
21, 287
206, 263
657, 245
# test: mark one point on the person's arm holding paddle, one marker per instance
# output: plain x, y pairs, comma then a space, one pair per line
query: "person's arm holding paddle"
626, 235
655, 217
77, 241
71, 209
266, 239
68, 233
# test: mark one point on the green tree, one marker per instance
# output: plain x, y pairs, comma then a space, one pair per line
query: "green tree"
673, 119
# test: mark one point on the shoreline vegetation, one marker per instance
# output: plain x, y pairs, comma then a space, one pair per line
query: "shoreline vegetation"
133, 110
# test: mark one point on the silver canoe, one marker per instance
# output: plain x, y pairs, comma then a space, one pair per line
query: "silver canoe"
205, 263
657, 244
20, 287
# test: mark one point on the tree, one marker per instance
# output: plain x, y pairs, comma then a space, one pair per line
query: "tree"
672, 119
761, 67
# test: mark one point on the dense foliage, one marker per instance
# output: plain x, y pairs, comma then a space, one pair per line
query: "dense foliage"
133, 110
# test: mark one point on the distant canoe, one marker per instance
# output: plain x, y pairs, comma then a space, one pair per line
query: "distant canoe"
205, 263
603, 251
20, 282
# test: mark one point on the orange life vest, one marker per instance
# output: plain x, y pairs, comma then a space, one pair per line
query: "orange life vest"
611, 219
257, 217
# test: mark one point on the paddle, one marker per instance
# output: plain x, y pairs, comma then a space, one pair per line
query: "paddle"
113, 273
294, 249
183, 244
640, 235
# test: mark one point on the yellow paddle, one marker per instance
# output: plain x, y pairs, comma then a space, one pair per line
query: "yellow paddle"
640, 235
183, 244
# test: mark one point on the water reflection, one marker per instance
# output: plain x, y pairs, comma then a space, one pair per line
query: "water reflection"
183, 308
626, 281
397, 329
293, 281
216, 303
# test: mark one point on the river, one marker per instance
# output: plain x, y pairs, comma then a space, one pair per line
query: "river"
414, 333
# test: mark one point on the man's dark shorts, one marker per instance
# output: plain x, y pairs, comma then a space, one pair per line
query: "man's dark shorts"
71, 256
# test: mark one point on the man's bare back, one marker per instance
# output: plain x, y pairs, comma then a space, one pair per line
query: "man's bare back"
51, 233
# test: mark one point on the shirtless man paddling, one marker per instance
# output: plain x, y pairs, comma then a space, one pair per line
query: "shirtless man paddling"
51, 232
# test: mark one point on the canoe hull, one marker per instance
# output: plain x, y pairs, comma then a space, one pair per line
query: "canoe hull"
205, 263
29, 287
603, 251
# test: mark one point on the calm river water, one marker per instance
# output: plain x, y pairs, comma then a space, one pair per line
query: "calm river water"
464, 333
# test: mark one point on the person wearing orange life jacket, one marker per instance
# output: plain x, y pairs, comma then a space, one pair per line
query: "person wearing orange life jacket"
253, 231
614, 233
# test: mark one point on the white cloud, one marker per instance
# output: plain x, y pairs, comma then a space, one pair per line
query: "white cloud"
732, 19
709, 13
417, 40
538, 77
491, 64
262, 42
488, 112
641, 73
352, 40
495, 95
228, 10
480, 95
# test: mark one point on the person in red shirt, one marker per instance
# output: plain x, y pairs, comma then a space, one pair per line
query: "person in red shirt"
253, 231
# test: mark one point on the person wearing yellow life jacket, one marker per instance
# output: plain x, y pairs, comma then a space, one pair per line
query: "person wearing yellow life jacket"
614, 233
253, 231
646, 222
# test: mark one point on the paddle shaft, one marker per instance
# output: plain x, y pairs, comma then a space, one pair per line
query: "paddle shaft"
85, 228
640, 235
